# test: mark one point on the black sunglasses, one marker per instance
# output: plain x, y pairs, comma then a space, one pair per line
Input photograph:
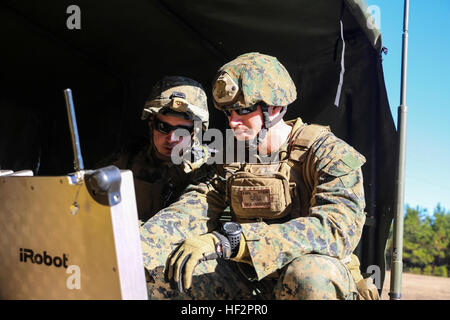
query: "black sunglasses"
166, 128
242, 111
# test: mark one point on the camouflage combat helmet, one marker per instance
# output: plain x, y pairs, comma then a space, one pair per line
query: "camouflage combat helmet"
250, 79
178, 96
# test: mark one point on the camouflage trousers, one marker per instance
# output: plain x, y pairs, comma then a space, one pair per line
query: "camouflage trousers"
309, 277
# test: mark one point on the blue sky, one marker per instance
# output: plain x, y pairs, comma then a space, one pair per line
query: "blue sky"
427, 181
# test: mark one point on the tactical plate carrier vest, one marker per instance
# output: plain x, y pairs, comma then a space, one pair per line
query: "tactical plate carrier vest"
275, 191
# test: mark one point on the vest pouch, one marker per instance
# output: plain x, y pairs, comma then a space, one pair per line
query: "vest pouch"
266, 195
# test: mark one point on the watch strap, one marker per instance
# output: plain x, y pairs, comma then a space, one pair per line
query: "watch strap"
223, 247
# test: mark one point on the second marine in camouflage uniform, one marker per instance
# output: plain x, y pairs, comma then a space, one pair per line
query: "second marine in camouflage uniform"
301, 217
158, 181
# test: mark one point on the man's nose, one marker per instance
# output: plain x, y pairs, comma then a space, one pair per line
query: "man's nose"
234, 119
172, 137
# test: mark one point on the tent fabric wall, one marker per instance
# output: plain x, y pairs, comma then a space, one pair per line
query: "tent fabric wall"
123, 48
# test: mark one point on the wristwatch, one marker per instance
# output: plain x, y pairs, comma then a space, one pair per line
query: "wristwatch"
233, 232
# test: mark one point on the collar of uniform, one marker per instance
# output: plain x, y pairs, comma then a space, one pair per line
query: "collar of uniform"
284, 149
157, 159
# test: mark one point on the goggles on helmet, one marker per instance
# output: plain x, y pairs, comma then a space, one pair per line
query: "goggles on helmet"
176, 103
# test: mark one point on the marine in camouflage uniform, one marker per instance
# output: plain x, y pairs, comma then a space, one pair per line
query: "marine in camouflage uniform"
301, 217
158, 181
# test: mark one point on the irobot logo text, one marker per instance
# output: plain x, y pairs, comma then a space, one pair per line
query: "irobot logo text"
28, 255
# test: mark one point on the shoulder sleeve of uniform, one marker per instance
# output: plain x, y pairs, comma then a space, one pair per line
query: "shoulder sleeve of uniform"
196, 212
335, 157
122, 156
304, 137
336, 215
117, 159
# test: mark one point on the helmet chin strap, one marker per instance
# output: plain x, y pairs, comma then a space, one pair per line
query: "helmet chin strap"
252, 144
270, 123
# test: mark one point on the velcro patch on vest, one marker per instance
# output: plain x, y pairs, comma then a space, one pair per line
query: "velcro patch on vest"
256, 198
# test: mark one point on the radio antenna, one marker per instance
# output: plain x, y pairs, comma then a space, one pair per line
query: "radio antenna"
78, 159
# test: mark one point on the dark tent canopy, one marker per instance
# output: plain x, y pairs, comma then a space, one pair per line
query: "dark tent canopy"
124, 47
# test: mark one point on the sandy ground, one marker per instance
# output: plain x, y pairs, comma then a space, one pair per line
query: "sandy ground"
420, 287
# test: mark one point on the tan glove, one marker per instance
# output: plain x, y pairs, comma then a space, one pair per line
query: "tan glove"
243, 255
366, 288
184, 258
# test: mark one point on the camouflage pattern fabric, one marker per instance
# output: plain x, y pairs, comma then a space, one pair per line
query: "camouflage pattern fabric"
157, 183
316, 277
332, 215
259, 77
329, 227
309, 277
212, 280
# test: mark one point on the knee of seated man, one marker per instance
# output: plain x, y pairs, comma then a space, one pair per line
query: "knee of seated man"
213, 279
315, 277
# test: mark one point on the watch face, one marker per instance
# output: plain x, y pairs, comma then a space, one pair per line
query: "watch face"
232, 228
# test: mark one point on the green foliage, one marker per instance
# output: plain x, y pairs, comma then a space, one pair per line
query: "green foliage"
415, 270
426, 241
428, 270
440, 271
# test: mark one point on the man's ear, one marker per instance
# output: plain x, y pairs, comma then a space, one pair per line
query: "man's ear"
274, 111
150, 121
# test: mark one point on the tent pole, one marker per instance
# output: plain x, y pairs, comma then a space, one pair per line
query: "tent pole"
397, 252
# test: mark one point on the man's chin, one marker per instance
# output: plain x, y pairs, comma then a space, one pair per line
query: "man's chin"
165, 152
242, 137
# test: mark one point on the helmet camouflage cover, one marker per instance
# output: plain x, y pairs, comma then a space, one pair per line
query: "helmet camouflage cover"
179, 96
252, 78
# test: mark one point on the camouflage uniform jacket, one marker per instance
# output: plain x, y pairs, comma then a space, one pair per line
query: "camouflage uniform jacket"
329, 222
157, 183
